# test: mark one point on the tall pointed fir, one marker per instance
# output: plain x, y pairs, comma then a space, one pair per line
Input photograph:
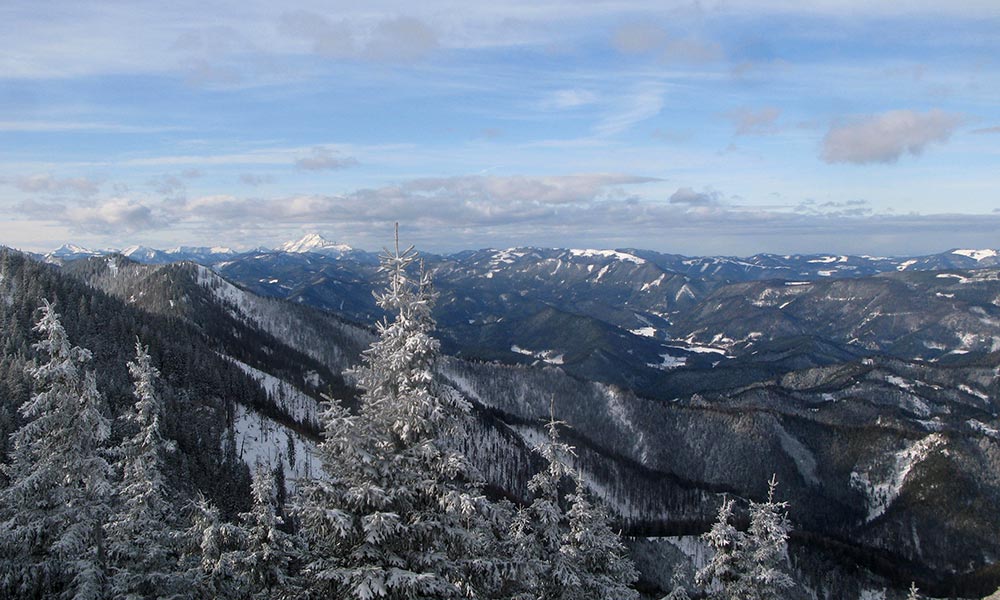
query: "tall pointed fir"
571, 554
747, 566
724, 574
265, 556
143, 532
768, 549
53, 510
602, 568
393, 514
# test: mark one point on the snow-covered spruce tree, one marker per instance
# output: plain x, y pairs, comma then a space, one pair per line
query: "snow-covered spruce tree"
747, 566
914, 592
207, 553
393, 515
768, 547
602, 568
143, 531
539, 528
728, 565
679, 591
265, 554
574, 554
52, 513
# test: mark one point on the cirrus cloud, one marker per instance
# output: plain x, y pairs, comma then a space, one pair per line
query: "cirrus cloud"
885, 137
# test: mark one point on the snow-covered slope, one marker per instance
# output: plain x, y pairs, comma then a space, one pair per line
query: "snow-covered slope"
314, 242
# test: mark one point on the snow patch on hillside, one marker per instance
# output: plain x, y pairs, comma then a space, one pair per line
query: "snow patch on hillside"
880, 493
668, 362
292, 401
623, 256
550, 356
976, 255
259, 440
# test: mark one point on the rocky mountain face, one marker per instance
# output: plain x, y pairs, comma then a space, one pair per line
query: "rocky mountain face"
872, 396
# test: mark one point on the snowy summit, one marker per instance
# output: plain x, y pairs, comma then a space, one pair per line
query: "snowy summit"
976, 255
314, 242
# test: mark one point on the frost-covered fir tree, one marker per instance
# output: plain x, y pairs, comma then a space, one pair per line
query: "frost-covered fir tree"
679, 591
768, 547
747, 566
143, 532
601, 566
52, 513
539, 528
914, 592
393, 515
265, 554
571, 554
728, 564
207, 555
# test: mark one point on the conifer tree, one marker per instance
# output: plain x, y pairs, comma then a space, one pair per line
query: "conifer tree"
914, 592
679, 591
395, 515
571, 554
727, 566
768, 547
602, 568
747, 566
207, 555
143, 531
265, 555
52, 513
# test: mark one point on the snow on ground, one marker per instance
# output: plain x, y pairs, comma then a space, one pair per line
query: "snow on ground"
669, 362
291, 400
655, 283
983, 428
905, 265
881, 494
973, 392
259, 440
624, 256
976, 255
549, 356
644, 331
696, 348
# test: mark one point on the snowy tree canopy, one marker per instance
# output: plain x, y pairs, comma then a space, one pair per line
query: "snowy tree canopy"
396, 515
143, 531
747, 565
52, 513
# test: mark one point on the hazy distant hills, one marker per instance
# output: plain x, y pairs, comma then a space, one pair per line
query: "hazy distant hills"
643, 319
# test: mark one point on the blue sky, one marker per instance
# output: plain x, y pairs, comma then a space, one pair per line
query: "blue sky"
700, 128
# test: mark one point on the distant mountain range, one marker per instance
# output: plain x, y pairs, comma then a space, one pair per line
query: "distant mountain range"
869, 385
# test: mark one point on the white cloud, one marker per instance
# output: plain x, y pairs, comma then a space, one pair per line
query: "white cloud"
568, 98
645, 103
49, 184
114, 215
324, 159
885, 137
748, 121
687, 196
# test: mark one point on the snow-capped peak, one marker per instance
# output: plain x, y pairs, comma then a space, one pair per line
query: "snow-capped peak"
614, 254
976, 255
314, 242
73, 249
